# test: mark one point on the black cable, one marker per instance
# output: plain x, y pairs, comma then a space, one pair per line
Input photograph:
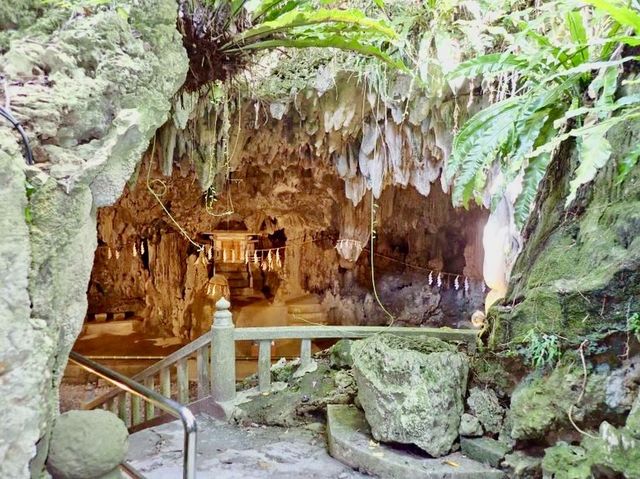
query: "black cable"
18, 127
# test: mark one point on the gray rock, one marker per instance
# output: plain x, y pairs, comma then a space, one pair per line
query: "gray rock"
349, 441
633, 419
484, 450
340, 354
111, 87
87, 445
411, 390
523, 466
484, 404
470, 426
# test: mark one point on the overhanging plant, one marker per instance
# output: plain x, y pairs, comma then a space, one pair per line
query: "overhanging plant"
553, 80
220, 35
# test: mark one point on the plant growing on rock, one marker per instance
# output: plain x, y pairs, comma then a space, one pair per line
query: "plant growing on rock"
553, 80
633, 324
541, 350
219, 35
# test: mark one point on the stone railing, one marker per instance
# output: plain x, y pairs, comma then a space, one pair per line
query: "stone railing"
215, 360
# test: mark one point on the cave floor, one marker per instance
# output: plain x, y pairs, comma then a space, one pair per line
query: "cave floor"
226, 451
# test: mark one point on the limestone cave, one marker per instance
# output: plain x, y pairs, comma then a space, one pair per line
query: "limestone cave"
325, 239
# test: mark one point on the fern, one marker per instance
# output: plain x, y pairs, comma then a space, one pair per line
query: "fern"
220, 35
569, 86
290, 20
489, 65
541, 350
476, 144
622, 14
333, 41
627, 164
594, 150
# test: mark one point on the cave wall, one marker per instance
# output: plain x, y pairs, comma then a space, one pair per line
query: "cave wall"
577, 275
90, 96
304, 197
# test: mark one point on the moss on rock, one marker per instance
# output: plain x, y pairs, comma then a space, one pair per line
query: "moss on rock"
87, 444
540, 404
613, 453
564, 461
484, 404
304, 400
411, 389
91, 95
579, 271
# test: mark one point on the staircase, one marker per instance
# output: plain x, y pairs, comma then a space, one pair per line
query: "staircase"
240, 281
306, 311
202, 375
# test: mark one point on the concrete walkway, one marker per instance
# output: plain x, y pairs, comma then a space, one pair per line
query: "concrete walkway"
232, 452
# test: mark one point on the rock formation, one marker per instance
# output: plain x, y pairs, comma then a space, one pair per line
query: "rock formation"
411, 390
87, 445
91, 94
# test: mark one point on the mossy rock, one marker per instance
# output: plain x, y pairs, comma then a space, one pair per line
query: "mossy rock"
303, 401
633, 419
340, 354
484, 404
564, 461
87, 444
579, 270
613, 453
411, 390
540, 403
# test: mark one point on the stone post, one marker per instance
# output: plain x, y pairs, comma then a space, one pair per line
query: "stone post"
223, 354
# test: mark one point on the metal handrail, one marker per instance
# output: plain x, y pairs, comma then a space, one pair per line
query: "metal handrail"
166, 404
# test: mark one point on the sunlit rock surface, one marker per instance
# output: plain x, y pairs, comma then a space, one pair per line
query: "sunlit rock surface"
411, 390
92, 93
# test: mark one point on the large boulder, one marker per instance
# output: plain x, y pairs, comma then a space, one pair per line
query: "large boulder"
87, 445
411, 389
633, 420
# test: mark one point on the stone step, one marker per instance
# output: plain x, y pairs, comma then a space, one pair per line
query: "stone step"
350, 441
229, 451
230, 267
236, 275
237, 282
246, 293
307, 319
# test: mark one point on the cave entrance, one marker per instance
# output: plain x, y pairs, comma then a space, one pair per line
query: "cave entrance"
272, 238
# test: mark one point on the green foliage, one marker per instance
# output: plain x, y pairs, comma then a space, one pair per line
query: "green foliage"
627, 163
633, 324
223, 32
541, 350
305, 27
29, 190
551, 81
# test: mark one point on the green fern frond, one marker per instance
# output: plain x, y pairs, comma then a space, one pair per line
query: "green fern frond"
627, 164
304, 18
489, 65
475, 147
340, 42
617, 10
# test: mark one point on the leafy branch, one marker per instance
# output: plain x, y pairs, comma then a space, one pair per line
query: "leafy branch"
548, 88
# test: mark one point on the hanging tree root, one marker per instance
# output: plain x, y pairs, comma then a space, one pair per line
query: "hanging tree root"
582, 391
